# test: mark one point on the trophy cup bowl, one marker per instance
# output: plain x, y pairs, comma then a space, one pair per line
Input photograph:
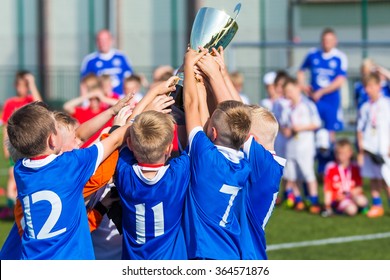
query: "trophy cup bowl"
212, 28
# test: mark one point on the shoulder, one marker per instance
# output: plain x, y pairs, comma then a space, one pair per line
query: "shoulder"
330, 166
90, 57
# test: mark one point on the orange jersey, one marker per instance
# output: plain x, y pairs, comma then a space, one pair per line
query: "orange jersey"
102, 175
341, 181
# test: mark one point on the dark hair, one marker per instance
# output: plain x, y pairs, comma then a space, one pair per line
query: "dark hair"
20, 75
29, 128
290, 80
281, 74
327, 30
133, 77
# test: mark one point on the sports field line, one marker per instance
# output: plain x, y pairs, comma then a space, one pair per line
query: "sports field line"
335, 240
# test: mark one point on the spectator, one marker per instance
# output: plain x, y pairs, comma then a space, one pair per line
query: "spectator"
272, 94
26, 92
368, 66
373, 130
343, 192
238, 82
298, 125
133, 84
107, 60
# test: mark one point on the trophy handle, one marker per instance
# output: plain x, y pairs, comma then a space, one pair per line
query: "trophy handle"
237, 10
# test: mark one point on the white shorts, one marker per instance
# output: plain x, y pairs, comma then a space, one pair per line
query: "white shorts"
370, 169
300, 169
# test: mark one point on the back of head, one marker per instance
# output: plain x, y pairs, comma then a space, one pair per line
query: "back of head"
232, 121
65, 120
29, 128
264, 126
150, 135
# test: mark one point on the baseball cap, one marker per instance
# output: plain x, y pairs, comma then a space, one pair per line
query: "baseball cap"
269, 78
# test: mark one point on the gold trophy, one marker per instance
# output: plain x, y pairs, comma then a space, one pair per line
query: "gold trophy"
212, 28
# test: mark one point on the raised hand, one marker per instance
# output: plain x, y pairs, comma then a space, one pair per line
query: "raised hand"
161, 103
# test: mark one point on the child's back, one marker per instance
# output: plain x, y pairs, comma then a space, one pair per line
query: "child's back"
263, 185
152, 194
219, 172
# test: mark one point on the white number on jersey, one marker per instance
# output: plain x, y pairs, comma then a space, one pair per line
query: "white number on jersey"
233, 191
158, 213
56, 208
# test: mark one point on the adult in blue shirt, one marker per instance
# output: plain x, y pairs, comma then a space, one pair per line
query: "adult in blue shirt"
107, 60
328, 72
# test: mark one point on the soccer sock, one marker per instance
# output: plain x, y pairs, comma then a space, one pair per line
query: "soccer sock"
314, 199
377, 201
298, 199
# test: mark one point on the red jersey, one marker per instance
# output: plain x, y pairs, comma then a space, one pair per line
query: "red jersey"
84, 114
341, 181
14, 103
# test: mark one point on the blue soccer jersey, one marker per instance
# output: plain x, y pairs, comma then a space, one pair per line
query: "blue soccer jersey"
12, 247
258, 198
324, 68
114, 63
217, 175
55, 217
152, 208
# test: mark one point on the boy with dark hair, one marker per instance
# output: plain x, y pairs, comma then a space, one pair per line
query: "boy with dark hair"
60, 231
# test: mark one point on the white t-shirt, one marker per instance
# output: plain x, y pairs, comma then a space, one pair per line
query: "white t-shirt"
304, 113
374, 123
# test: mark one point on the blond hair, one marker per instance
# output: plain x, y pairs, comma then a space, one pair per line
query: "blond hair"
232, 121
65, 120
150, 135
30, 127
264, 126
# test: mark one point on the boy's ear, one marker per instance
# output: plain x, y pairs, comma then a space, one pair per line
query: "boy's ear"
214, 133
53, 143
168, 150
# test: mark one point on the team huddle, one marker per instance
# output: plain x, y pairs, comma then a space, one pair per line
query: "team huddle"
212, 201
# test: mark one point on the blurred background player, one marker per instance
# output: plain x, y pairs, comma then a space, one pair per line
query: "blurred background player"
272, 95
107, 60
343, 192
26, 92
298, 125
373, 138
368, 66
133, 84
238, 81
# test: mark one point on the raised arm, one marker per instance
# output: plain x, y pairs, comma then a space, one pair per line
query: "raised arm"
220, 59
90, 127
191, 100
210, 68
33, 87
163, 88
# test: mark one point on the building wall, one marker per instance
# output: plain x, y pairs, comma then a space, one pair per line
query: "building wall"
152, 33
